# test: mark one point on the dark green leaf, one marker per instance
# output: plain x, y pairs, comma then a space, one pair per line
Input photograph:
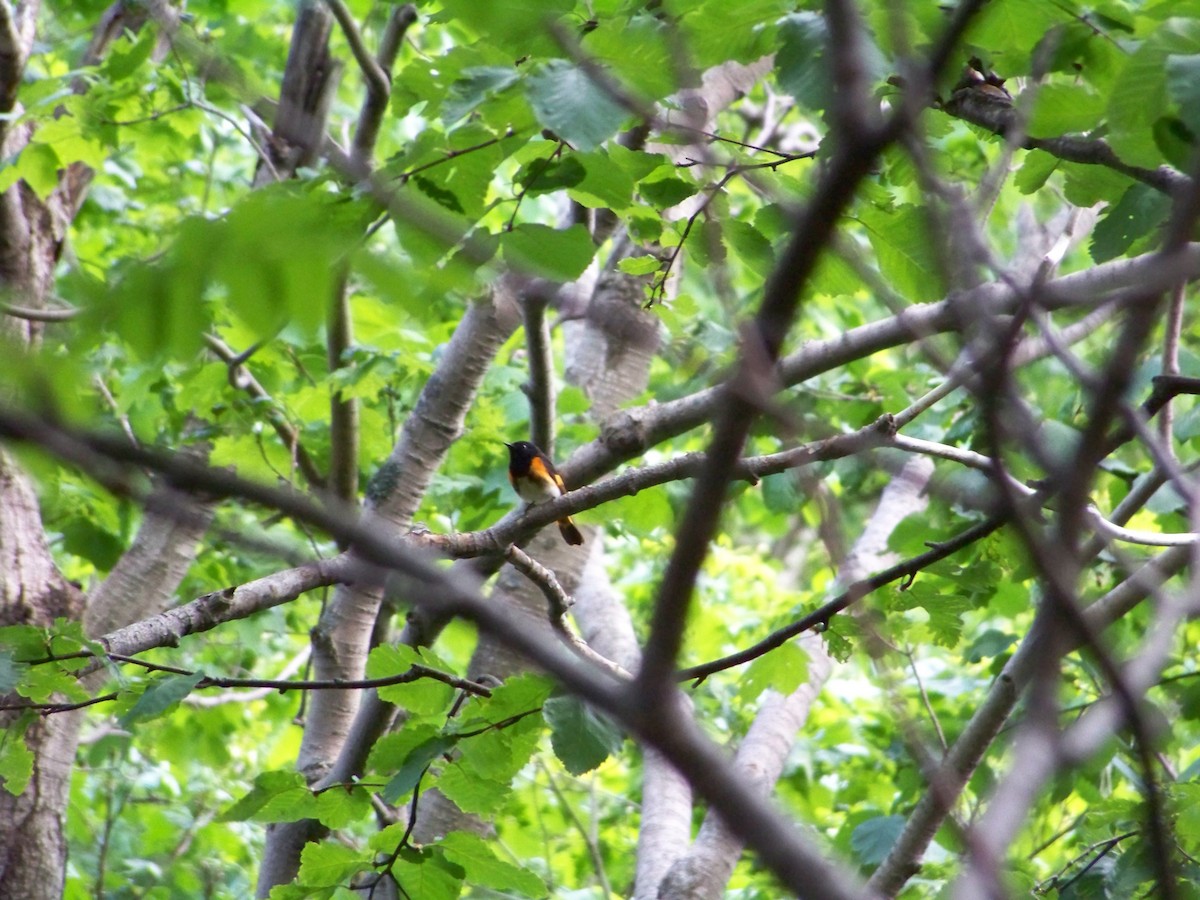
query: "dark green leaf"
1140, 211
987, 645
666, 190
582, 739
908, 257
162, 695
1183, 85
414, 767
476, 85
1038, 166
568, 102
874, 838
556, 254
800, 64
482, 867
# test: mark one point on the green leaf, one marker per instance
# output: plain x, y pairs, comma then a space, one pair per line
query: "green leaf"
1140, 211
639, 265
482, 867
471, 792
85, 539
1140, 95
414, 766
10, 671
988, 645
800, 64
544, 176
582, 739
1183, 86
873, 839
568, 102
126, 57
1037, 167
38, 164
16, 759
476, 85
328, 864
1012, 29
24, 642
666, 189
428, 875
519, 695
907, 255
270, 799
341, 805
519, 27
421, 697
638, 52
43, 682
783, 670
605, 185
553, 253
162, 695
1065, 108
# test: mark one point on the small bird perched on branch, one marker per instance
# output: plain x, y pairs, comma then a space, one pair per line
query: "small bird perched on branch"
534, 478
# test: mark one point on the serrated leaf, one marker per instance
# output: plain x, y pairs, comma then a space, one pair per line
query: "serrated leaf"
428, 875
872, 839
605, 184
639, 265
1037, 167
1141, 210
10, 671
568, 102
518, 695
520, 26
1140, 95
1183, 86
473, 793
582, 739
476, 85
782, 670
666, 190
424, 696
340, 806
267, 787
482, 867
500, 753
800, 63
907, 256
1065, 108
415, 764
328, 864
559, 254
1013, 28
16, 759
162, 695
40, 683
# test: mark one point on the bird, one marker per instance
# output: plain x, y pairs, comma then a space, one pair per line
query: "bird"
534, 478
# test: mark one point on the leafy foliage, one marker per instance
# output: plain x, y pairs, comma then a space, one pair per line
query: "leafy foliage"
509, 145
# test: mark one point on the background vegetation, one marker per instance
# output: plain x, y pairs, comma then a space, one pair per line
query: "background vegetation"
861, 334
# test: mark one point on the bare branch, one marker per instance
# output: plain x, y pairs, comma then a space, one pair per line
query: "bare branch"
378, 81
